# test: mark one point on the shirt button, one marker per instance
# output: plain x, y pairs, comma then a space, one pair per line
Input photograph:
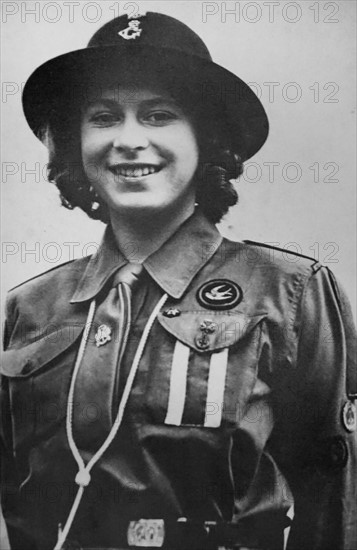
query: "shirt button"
338, 452
332, 454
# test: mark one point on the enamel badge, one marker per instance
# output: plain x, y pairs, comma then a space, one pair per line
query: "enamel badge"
219, 294
103, 335
172, 312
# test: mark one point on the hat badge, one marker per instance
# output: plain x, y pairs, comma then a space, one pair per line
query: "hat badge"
132, 31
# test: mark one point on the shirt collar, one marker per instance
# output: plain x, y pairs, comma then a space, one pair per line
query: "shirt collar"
197, 239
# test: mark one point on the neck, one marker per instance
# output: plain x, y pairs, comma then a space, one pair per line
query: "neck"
139, 236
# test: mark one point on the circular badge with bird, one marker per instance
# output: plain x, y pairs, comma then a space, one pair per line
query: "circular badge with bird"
219, 294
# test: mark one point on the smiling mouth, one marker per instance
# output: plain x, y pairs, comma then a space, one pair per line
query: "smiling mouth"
134, 171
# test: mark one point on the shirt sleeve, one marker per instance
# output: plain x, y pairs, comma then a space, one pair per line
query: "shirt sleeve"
317, 426
9, 483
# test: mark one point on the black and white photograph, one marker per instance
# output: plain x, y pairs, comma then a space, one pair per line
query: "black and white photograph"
178, 275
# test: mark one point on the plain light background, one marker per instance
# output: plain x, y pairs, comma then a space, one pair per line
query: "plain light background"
298, 191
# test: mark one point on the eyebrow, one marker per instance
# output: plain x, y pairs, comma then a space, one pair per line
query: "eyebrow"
110, 103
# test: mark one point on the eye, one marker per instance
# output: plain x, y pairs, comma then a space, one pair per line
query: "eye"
104, 118
160, 117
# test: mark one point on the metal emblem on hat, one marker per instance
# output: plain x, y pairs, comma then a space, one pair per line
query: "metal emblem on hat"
132, 30
349, 416
148, 533
219, 294
103, 335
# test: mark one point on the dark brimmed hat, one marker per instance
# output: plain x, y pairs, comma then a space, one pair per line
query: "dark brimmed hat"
174, 51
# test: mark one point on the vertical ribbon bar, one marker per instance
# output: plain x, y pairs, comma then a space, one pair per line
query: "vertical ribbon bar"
178, 384
216, 385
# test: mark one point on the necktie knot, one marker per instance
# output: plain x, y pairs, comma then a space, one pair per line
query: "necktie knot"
128, 274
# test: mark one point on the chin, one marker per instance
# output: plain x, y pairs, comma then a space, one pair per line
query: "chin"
138, 205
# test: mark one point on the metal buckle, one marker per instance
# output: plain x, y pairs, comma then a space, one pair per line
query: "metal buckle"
148, 533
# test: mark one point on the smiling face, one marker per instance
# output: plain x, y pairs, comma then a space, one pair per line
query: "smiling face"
139, 150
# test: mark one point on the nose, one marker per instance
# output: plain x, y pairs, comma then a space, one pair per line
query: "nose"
130, 136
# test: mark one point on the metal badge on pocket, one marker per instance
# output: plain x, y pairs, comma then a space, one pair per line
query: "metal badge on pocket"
103, 335
147, 533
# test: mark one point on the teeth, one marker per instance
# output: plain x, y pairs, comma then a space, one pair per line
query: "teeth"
134, 172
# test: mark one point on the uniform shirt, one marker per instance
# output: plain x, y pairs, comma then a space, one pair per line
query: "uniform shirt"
234, 423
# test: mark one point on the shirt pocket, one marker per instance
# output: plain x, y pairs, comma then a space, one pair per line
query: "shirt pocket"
205, 369
38, 377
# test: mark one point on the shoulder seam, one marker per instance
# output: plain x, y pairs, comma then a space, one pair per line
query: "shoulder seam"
286, 251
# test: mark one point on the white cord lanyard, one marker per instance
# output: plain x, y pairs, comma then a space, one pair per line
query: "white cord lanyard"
83, 477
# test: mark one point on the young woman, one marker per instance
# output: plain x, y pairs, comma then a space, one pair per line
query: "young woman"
176, 389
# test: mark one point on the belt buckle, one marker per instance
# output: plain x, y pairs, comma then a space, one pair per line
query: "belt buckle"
146, 533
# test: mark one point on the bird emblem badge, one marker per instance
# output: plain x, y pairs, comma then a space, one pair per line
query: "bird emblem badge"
219, 294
